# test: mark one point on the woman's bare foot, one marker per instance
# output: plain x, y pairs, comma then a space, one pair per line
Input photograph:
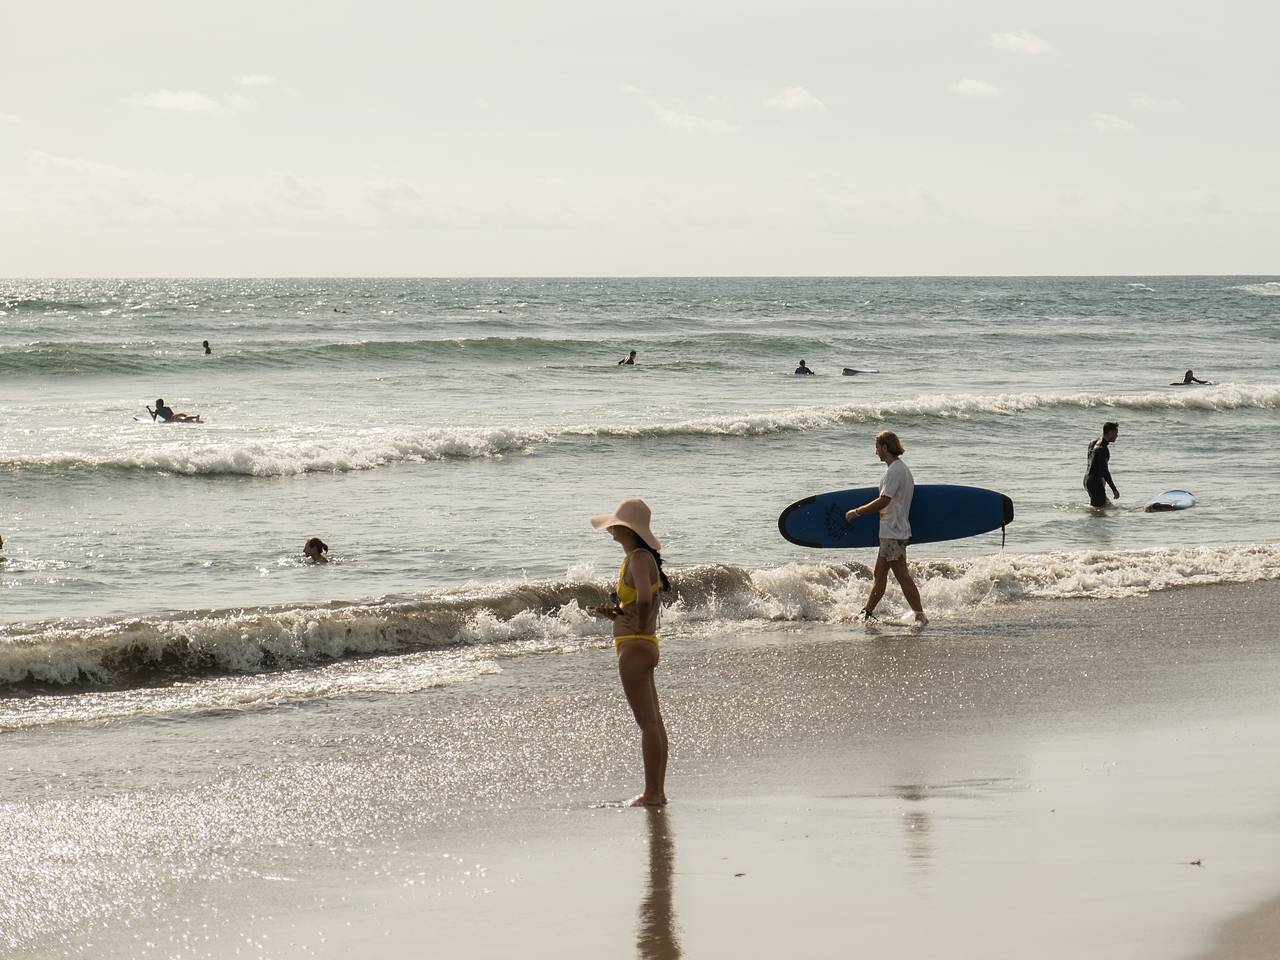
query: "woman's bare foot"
646, 801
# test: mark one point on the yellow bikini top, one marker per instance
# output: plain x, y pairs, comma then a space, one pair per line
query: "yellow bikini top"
627, 593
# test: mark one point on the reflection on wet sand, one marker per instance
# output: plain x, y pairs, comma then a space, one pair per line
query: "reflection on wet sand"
655, 921
916, 823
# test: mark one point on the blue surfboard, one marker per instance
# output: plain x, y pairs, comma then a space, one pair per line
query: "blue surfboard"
939, 511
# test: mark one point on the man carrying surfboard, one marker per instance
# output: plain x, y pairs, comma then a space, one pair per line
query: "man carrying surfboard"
1099, 468
894, 504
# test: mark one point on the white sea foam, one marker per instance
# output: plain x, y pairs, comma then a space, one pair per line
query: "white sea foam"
515, 618
368, 449
1270, 288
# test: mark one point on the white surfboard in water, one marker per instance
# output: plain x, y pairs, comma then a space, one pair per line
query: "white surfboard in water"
1171, 500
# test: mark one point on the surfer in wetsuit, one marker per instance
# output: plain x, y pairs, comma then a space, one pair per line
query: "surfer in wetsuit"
803, 369
207, 349
1188, 377
629, 360
166, 415
1099, 470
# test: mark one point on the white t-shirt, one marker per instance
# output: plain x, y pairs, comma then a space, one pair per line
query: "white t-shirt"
900, 487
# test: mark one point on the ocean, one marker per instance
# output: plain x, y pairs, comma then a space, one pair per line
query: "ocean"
449, 439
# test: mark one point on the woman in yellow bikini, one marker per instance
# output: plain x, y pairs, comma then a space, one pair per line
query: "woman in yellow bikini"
635, 635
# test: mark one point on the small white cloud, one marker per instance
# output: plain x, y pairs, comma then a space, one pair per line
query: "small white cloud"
1025, 43
690, 123
1110, 123
10, 118
1144, 101
46, 163
190, 101
795, 100
975, 88
258, 80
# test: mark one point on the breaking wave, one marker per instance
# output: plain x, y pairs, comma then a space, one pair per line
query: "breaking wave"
542, 615
371, 448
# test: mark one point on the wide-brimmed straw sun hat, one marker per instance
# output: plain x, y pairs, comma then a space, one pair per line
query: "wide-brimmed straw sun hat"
633, 514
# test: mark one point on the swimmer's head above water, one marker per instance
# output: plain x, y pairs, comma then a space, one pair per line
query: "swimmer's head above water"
315, 550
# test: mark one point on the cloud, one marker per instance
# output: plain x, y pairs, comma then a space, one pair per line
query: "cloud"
1025, 43
10, 118
795, 100
975, 88
1144, 101
46, 163
690, 123
190, 101
257, 80
1110, 123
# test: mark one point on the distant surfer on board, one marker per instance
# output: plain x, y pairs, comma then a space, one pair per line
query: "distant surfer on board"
629, 360
802, 370
165, 414
894, 503
207, 349
1099, 468
1188, 377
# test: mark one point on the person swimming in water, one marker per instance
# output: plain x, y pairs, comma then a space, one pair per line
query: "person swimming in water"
803, 369
165, 414
1187, 378
629, 360
634, 612
315, 550
207, 349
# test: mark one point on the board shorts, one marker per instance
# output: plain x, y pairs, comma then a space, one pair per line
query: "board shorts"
891, 550
1097, 491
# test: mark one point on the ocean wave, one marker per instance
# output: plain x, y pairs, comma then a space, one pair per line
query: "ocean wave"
43, 357
1270, 288
285, 458
544, 615
367, 449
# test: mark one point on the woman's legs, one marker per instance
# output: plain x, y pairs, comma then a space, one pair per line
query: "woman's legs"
636, 660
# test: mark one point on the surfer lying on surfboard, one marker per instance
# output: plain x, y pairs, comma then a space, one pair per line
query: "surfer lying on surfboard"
166, 415
1187, 378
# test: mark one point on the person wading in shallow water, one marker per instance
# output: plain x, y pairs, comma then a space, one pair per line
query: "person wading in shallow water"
1098, 471
634, 612
894, 503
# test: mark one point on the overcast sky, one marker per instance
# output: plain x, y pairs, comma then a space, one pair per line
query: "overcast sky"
382, 137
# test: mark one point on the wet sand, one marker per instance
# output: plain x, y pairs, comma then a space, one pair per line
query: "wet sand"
1072, 779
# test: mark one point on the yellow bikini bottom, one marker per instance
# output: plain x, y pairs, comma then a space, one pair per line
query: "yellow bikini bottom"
619, 641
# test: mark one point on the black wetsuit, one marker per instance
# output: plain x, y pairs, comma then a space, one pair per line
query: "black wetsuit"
163, 413
1098, 472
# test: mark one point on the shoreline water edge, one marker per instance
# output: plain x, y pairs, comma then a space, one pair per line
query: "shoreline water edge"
212, 744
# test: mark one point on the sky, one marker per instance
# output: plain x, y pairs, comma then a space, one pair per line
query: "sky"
567, 138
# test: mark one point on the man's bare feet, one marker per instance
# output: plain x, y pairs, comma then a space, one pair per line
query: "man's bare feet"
646, 801
921, 619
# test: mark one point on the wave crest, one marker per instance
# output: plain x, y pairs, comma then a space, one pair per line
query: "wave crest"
142, 651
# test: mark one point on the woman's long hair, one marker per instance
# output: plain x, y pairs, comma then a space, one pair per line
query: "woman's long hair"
666, 584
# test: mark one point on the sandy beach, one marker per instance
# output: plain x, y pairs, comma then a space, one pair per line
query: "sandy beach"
1080, 778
